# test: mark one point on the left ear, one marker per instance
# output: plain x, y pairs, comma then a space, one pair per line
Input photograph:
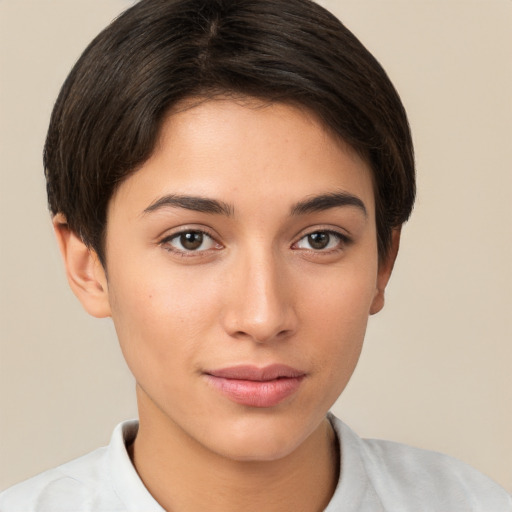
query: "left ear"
384, 272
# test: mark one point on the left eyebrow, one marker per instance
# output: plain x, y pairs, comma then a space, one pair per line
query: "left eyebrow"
327, 201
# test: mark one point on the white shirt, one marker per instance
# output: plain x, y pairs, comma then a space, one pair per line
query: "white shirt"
375, 476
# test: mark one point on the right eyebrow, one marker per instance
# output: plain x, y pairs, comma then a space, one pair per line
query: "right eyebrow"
195, 203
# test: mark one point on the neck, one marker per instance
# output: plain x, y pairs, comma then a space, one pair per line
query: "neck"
183, 475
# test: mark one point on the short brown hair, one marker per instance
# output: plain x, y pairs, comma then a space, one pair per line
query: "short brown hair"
107, 117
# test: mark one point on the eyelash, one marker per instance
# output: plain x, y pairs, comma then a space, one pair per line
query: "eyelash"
166, 243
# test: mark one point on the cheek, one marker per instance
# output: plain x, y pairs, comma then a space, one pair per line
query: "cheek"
160, 316
337, 315
340, 298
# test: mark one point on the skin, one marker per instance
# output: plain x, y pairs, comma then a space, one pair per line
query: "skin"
258, 290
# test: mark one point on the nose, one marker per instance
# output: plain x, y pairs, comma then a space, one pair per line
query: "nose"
260, 305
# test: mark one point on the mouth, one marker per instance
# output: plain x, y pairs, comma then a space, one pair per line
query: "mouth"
256, 387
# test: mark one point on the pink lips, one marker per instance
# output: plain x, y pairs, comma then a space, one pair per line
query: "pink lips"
256, 387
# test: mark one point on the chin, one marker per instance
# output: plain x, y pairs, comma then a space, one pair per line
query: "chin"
258, 441
259, 451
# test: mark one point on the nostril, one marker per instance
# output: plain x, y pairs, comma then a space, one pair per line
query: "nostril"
263, 336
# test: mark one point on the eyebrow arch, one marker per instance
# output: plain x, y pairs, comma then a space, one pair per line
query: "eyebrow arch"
195, 203
326, 201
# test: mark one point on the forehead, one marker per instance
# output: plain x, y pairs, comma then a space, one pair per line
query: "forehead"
244, 149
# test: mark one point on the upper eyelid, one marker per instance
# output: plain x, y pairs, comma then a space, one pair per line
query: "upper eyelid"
328, 231
342, 233
174, 232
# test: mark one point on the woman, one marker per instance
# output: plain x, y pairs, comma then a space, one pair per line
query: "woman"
228, 181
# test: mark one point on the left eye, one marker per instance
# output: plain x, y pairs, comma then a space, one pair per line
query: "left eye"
190, 241
320, 241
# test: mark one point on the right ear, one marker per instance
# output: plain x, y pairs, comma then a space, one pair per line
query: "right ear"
84, 270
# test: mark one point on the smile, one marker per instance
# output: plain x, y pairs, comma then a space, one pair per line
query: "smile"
256, 387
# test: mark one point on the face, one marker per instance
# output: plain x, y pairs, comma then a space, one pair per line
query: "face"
242, 266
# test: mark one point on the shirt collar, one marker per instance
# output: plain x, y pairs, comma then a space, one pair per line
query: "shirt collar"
125, 479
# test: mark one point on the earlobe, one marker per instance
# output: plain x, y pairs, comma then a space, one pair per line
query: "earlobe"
84, 270
384, 272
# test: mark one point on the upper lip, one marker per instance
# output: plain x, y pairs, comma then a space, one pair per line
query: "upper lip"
255, 373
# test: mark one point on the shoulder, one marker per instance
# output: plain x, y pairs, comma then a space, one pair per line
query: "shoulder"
407, 478
84, 484
422, 475
77, 485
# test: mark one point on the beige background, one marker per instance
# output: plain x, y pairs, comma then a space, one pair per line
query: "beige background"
436, 370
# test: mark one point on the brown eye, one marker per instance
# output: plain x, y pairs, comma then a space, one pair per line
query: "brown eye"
192, 240
319, 240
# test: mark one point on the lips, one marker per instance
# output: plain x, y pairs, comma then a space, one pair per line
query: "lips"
256, 387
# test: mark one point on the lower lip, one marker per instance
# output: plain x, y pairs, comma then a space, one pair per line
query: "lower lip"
256, 393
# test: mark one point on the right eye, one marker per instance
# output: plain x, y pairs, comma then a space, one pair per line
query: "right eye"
190, 241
